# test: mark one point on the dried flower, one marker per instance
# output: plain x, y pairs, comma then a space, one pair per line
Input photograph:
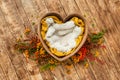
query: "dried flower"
86, 65
33, 23
82, 53
42, 51
75, 59
18, 40
27, 31
96, 37
33, 49
26, 53
93, 25
97, 53
51, 61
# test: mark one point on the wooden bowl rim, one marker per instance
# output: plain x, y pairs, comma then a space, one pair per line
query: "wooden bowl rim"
64, 20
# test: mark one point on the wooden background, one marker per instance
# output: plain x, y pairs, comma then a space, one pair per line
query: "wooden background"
15, 15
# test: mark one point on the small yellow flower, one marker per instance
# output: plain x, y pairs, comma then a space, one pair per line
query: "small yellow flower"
78, 21
43, 34
68, 66
51, 61
81, 23
38, 45
42, 51
27, 30
75, 59
68, 71
97, 53
18, 40
100, 41
85, 14
51, 68
86, 65
26, 53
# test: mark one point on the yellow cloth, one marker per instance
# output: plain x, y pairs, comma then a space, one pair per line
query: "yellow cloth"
78, 22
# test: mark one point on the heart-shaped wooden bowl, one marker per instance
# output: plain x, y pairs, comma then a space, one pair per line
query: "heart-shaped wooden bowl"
64, 20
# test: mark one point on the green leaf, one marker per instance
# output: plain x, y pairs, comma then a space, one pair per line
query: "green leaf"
22, 44
92, 62
95, 37
21, 50
46, 52
33, 23
93, 25
32, 50
47, 66
20, 36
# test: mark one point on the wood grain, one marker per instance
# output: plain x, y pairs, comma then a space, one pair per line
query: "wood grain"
16, 15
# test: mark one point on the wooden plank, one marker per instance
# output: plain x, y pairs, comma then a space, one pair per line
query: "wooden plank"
24, 12
89, 15
55, 6
114, 10
112, 30
33, 13
17, 14
12, 27
7, 71
86, 12
113, 7
92, 8
70, 6
32, 10
2, 74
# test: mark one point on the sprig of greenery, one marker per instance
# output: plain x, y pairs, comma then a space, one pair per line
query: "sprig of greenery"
95, 37
47, 66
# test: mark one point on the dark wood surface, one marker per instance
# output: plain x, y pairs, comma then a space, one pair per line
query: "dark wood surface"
15, 15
